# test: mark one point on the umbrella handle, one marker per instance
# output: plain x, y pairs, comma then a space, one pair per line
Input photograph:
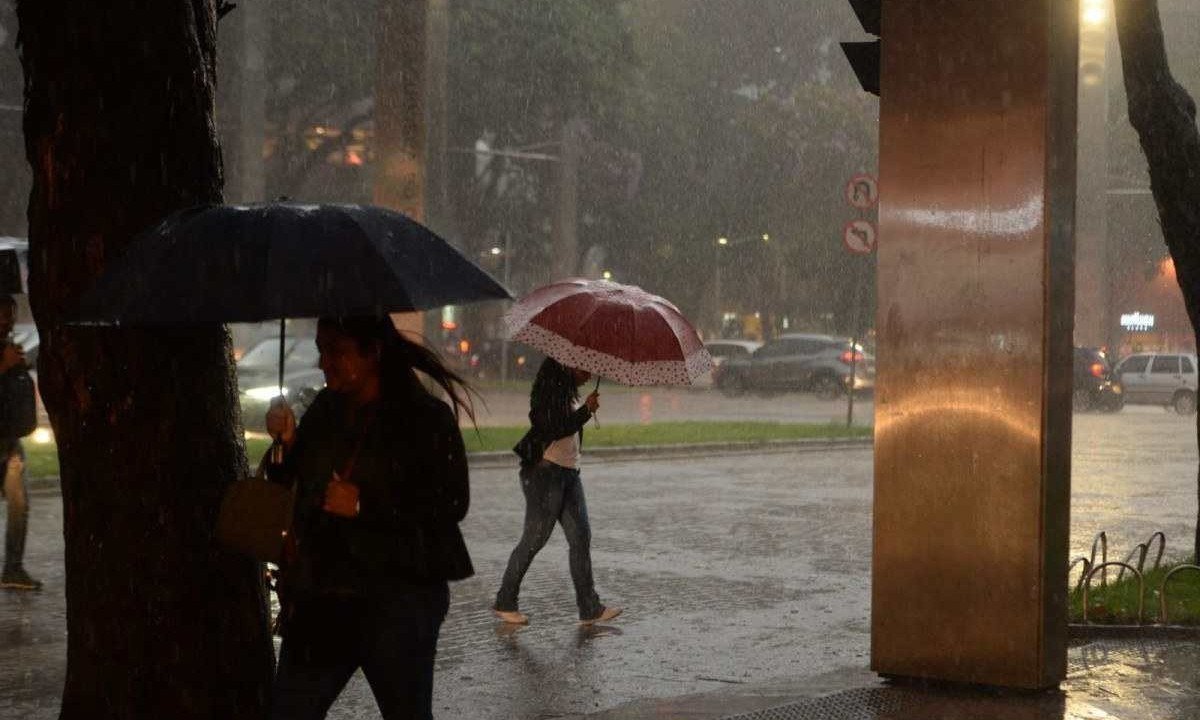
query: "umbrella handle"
595, 417
282, 352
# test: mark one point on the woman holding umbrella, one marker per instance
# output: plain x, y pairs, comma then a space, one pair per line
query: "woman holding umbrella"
583, 326
381, 485
553, 490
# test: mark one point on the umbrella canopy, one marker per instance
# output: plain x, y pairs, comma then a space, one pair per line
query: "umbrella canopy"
617, 331
249, 263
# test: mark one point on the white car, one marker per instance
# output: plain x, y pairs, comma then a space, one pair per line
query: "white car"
1168, 379
722, 350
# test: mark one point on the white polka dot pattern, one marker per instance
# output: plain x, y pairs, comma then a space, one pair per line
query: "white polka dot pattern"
628, 322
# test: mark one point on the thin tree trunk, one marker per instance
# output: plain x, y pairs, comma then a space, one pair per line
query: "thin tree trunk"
119, 131
1164, 116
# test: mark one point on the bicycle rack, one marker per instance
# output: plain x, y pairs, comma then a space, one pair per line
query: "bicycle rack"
1162, 592
1087, 566
1141, 588
1162, 547
1101, 539
1140, 550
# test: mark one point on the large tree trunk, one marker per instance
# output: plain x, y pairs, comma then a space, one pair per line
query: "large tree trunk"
1164, 116
119, 131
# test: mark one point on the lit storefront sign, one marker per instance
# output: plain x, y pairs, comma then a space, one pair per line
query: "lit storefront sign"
1137, 322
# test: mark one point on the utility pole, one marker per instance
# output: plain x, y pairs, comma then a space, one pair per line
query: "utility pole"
400, 123
400, 97
1093, 314
566, 256
252, 108
439, 211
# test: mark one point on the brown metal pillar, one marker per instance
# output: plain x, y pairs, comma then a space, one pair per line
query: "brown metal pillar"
972, 439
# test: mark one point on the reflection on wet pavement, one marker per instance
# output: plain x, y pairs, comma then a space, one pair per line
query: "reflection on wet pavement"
733, 570
1107, 680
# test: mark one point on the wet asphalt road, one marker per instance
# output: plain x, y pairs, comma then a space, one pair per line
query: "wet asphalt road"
732, 570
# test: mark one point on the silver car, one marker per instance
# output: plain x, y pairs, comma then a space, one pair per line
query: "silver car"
1168, 379
722, 350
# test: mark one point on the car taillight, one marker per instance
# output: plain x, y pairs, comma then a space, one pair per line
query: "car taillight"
1097, 370
847, 358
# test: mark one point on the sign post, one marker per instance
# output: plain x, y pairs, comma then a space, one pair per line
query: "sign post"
859, 237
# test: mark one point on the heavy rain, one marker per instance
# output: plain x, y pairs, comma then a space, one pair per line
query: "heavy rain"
507, 359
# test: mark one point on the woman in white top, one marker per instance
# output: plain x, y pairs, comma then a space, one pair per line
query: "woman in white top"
553, 491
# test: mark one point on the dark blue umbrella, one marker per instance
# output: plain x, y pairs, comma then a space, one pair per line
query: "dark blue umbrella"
250, 263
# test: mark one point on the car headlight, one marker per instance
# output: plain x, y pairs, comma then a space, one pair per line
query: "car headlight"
265, 393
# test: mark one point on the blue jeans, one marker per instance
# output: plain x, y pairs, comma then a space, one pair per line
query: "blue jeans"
553, 494
16, 495
393, 639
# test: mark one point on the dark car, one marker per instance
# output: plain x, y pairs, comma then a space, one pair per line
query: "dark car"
1095, 387
821, 364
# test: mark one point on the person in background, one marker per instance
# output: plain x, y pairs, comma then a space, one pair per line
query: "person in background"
16, 405
550, 480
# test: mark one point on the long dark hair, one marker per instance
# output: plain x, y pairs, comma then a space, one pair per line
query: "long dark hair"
400, 357
555, 383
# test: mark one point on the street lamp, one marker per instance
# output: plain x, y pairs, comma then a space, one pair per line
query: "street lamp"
1095, 13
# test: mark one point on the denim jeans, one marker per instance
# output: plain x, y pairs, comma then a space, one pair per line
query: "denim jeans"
393, 639
553, 494
16, 495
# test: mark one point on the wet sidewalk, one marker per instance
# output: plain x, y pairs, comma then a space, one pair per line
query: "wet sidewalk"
1107, 680
734, 571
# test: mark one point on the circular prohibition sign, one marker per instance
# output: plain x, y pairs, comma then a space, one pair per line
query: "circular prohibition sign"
860, 237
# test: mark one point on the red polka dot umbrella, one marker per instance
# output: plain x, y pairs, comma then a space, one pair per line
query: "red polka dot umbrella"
620, 332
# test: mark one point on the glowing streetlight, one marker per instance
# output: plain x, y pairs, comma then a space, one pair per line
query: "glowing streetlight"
1095, 13
608, 274
722, 241
766, 237
496, 251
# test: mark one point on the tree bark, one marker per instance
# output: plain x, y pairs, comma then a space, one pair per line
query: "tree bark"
119, 131
1164, 116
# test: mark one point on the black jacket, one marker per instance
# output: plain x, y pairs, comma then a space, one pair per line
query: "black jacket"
551, 418
411, 471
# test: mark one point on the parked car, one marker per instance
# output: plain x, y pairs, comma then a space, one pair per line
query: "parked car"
258, 375
1168, 379
1095, 386
820, 364
722, 350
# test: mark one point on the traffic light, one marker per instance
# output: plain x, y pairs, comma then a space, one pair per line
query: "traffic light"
864, 56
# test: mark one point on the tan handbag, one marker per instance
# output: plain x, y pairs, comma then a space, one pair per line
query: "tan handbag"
255, 517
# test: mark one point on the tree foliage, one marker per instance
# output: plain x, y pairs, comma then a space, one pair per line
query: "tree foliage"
701, 119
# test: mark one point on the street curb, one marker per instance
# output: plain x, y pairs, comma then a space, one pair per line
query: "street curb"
636, 452
506, 458
1076, 631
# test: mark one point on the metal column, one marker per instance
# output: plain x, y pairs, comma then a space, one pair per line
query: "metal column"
976, 296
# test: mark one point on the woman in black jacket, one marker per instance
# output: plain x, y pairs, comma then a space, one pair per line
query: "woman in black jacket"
381, 485
553, 491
